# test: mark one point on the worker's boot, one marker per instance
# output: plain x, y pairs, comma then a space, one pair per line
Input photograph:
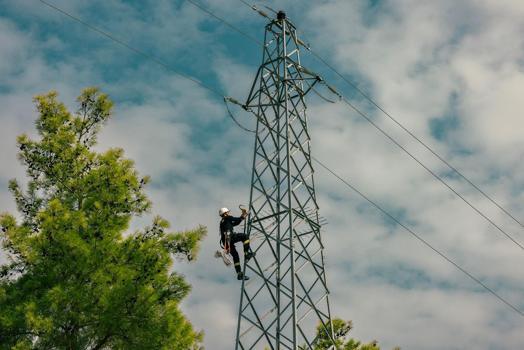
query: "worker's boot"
249, 255
241, 276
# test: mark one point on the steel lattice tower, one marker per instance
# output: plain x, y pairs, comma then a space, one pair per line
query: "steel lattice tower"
287, 296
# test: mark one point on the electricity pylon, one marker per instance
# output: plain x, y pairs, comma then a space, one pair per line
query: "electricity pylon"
287, 297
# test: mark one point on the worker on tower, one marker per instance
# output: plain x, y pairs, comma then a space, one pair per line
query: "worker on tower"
228, 238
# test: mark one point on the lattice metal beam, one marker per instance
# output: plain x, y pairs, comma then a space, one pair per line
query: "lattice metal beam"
287, 297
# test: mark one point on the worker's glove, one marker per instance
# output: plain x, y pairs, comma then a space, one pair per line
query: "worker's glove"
244, 213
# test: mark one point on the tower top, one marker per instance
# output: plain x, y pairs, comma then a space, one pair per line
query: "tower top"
281, 15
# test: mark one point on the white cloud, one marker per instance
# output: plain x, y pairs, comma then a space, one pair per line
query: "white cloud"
412, 56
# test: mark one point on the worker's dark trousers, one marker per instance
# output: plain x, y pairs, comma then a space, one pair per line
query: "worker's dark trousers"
235, 238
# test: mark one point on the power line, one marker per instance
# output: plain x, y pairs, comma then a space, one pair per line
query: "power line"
129, 47
419, 140
413, 233
227, 23
399, 124
202, 8
147, 56
226, 100
417, 236
440, 179
436, 176
142, 53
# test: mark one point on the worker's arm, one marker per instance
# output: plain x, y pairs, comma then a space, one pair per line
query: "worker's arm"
236, 221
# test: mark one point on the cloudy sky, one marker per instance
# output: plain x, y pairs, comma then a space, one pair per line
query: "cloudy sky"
452, 72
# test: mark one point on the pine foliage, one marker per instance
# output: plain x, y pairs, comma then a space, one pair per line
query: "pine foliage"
74, 280
341, 331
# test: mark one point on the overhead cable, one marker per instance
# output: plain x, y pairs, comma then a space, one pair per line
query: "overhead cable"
144, 54
111, 37
409, 132
413, 233
437, 177
229, 99
418, 139
210, 13
129, 47
417, 236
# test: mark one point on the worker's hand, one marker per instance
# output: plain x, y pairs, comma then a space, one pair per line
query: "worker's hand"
244, 213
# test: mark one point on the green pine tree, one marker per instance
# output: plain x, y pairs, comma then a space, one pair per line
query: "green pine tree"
341, 331
73, 279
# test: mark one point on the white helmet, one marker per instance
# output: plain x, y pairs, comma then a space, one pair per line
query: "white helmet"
222, 211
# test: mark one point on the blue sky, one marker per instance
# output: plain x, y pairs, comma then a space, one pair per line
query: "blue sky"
452, 73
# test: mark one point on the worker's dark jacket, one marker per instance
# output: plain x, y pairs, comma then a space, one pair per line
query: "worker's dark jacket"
226, 226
